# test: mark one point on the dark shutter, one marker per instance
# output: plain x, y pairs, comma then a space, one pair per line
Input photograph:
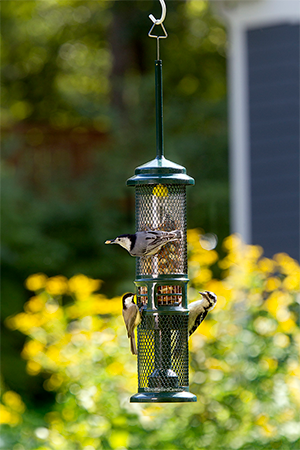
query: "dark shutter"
273, 70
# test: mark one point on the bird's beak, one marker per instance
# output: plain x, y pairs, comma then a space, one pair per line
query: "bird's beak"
109, 241
202, 293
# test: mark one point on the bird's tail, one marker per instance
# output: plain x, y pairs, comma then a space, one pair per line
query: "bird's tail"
132, 344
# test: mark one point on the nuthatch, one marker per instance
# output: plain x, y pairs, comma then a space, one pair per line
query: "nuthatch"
145, 243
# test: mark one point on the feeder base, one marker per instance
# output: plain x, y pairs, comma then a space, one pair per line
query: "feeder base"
163, 397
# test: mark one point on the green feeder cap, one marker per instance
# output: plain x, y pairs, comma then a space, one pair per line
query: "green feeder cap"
160, 170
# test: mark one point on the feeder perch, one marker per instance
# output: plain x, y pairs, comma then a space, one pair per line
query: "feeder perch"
161, 280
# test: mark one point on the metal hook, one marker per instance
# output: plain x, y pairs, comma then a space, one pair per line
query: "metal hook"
163, 14
159, 22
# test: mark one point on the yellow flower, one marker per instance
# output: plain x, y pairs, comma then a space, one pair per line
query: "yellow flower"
15, 419
73, 311
102, 305
288, 326
53, 353
33, 368
36, 282
268, 430
57, 285
273, 303
54, 382
208, 257
253, 252
24, 322
203, 276
13, 400
83, 286
294, 369
193, 236
213, 363
31, 349
34, 304
232, 242
207, 329
288, 264
262, 419
115, 368
119, 439
225, 263
223, 292
272, 283
266, 265
5, 415
269, 363
292, 282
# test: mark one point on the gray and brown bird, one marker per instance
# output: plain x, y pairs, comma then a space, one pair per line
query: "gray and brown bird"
145, 243
132, 318
199, 309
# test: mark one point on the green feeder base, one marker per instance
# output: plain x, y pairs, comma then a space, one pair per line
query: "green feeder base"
163, 397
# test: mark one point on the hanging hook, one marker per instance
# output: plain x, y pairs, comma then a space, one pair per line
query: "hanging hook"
163, 14
159, 22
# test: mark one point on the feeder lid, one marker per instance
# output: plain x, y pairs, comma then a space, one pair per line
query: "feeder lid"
160, 170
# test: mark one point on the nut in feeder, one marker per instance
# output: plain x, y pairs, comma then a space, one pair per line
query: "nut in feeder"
161, 278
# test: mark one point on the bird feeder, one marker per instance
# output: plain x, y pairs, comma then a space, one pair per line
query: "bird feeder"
161, 280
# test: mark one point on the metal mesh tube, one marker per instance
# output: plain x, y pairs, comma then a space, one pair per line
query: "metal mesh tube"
162, 207
163, 352
161, 280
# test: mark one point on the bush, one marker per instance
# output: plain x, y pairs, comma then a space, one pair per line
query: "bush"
244, 365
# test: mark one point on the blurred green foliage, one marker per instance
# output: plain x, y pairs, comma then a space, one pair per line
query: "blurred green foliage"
76, 66
78, 79
244, 363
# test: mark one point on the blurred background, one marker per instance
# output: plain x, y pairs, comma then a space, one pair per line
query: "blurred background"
79, 116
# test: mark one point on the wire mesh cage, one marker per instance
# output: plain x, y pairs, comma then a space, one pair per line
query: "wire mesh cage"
162, 207
163, 338
161, 281
163, 353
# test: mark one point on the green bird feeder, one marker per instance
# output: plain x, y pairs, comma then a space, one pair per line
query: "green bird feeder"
161, 280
